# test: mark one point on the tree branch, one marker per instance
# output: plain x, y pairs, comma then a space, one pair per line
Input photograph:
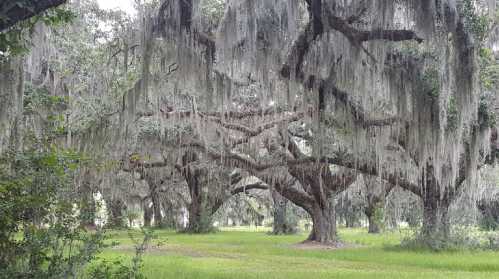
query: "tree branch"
243, 189
12, 13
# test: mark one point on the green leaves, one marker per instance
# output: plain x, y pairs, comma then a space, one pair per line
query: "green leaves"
58, 16
37, 217
431, 82
14, 41
452, 114
476, 23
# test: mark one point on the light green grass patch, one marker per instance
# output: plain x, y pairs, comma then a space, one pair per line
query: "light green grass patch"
248, 254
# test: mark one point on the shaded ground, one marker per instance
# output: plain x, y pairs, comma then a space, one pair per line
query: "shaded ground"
239, 254
174, 250
313, 245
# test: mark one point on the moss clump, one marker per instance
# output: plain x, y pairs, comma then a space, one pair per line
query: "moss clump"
486, 114
452, 114
431, 82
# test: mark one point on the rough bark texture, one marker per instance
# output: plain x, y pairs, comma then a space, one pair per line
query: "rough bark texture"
373, 223
148, 212
376, 192
11, 102
156, 206
436, 222
281, 224
200, 218
324, 224
170, 215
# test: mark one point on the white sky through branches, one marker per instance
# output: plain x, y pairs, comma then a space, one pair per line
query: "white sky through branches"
124, 5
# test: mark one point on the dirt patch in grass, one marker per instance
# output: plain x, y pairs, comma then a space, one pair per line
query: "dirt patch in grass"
314, 245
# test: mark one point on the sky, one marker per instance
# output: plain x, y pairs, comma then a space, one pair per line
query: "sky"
125, 5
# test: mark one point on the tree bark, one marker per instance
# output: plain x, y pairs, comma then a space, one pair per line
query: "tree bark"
371, 211
199, 214
148, 212
156, 207
436, 222
281, 224
373, 224
324, 224
349, 213
199, 218
116, 207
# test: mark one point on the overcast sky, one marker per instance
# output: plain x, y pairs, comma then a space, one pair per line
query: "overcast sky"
125, 5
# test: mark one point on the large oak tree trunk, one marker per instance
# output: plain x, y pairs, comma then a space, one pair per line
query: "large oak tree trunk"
199, 215
436, 223
148, 212
324, 224
371, 218
170, 218
374, 205
156, 206
281, 224
116, 209
200, 218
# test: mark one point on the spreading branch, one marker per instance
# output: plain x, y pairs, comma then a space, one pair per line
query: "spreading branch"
11, 12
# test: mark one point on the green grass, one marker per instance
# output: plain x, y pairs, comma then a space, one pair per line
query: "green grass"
243, 254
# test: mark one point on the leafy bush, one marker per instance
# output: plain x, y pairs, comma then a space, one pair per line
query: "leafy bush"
13, 41
460, 238
40, 236
118, 268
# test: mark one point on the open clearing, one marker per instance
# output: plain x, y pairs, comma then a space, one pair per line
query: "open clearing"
250, 254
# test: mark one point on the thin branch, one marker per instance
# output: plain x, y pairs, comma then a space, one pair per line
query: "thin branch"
250, 132
12, 15
246, 188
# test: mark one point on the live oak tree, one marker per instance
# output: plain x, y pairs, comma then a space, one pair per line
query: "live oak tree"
301, 95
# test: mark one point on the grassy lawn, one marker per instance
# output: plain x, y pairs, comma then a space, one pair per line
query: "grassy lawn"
254, 254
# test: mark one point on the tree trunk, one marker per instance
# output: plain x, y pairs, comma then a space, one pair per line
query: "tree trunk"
170, 218
349, 213
116, 219
148, 212
324, 224
156, 206
87, 209
436, 223
199, 213
281, 224
373, 224
199, 218
350, 220
371, 210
